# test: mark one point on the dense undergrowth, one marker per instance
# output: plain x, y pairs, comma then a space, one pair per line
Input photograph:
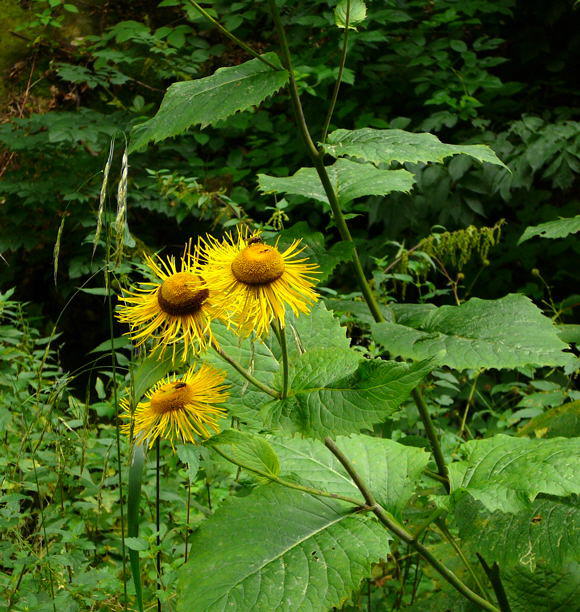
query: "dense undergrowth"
498, 73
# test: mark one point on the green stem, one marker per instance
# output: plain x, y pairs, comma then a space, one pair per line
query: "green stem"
233, 37
287, 483
394, 526
284, 349
449, 537
158, 518
432, 435
339, 76
317, 160
117, 420
239, 368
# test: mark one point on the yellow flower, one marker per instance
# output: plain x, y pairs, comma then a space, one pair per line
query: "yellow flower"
178, 306
178, 407
255, 281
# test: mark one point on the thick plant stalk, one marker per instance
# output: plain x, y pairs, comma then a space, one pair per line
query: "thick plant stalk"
317, 159
395, 527
433, 438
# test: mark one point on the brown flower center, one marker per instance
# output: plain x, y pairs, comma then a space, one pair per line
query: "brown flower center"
180, 294
173, 396
258, 264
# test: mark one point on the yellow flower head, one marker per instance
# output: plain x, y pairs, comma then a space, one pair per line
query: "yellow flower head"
255, 281
178, 407
178, 306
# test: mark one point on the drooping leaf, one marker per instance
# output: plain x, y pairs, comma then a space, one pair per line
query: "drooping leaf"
544, 588
560, 228
353, 11
561, 421
509, 332
350, 180
506, 473
334, 392
546, 531
386, 146
252, 451
208, 100
391, 470
255, 552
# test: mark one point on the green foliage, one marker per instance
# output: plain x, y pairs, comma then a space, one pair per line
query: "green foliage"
506, 473
254, 551
552, 229
268, 517
206, 101
386, 146
390, 469
507, 333
349, 179
335, 392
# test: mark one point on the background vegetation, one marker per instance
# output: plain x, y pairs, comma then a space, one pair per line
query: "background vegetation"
79, 76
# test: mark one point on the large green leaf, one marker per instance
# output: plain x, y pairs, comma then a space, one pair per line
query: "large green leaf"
335, 391
350, 180
279, 549
561, 421
208, 100
547, 530
386, 146
506, 473
507, 333
560, 228
546, 589
391, 470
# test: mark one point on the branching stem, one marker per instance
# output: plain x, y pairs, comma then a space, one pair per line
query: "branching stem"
388, 521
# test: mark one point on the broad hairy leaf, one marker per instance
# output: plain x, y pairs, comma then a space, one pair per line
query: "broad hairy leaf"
560, 228
249, 449
279, 549
350, 180
385, 146
509, 332
334, 391
561, 421
208, 100
506, 473
545, 531
546, 588
391, 470
353, 10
